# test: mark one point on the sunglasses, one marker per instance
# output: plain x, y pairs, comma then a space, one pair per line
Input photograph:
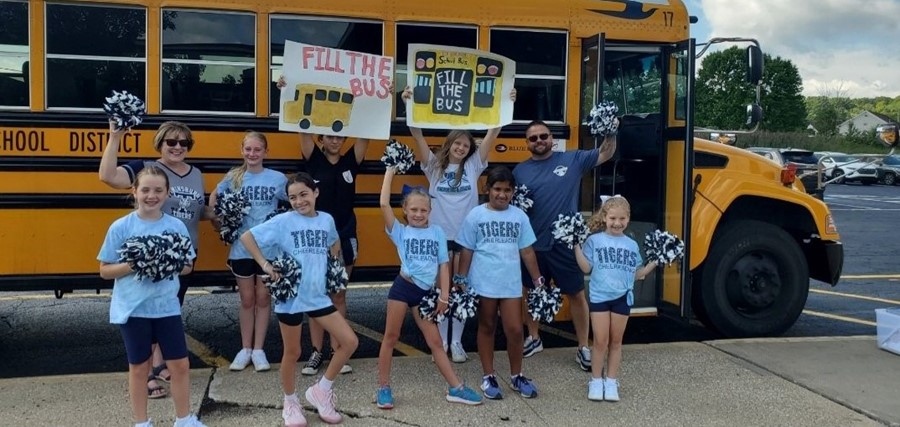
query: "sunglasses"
542, 137
184, 143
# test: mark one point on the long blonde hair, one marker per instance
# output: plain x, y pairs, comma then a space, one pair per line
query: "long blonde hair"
597, 223
443, 154
236, 174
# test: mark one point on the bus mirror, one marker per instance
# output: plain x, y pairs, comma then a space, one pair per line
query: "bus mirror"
723, 138
754, 114
754, 64
888, 134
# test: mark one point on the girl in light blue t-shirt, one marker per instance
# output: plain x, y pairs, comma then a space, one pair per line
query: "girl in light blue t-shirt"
494, 236
309, 237
148, 312
263, 188
424, 263
614, 262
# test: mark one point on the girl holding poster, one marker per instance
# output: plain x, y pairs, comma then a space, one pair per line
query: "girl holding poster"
452, 175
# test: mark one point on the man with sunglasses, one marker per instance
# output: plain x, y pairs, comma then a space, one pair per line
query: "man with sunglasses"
554, 179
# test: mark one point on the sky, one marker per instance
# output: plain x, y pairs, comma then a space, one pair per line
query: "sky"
841, 47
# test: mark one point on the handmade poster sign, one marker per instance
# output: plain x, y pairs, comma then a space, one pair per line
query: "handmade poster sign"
458, 88
336, 92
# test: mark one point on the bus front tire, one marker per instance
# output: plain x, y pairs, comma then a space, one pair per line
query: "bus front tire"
304, 124
755, 280
337, 126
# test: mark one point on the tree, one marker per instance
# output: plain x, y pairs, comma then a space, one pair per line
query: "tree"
723, 92
830, 109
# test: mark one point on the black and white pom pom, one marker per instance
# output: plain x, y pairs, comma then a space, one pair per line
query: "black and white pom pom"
278, 211
603, 119
663, 247
398, 156
336, 278
570, 229
463, 303
125, 109
156, 257
544, 302
428, 307
285, 287
522, 198
231, 208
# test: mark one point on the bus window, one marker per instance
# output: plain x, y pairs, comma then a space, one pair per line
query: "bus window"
633, 80
448, 35
92, 50
320, 95
540, 70
340, 33
347, 98
205, 59
14, 54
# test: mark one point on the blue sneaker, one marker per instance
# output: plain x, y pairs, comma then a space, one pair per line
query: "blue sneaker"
524, 386
490, 388
383, 398
463, 394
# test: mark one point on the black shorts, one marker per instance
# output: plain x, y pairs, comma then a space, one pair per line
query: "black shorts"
349, 250
295, 319
557, 264
618, 306
245, 268
452, 246
139, 333
406, 292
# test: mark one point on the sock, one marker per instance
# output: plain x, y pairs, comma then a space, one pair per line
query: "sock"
325, 383
255, 351
182, 420
442, 328
459, 387
292, 396
458, 326
597, 380
144, 424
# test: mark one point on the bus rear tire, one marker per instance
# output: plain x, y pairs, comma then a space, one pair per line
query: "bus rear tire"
337, 126
755, 281
304, 124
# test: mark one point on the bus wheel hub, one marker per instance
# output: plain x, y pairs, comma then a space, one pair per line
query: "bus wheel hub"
759, 281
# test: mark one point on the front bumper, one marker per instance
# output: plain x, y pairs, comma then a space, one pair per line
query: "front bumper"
825, 260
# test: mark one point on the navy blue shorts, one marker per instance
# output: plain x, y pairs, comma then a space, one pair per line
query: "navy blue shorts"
618, 306
295, 319
245, 268
406, 292
557, 264
140, 332
452, 246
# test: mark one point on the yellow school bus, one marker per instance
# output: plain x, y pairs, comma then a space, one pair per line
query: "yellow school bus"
315, 105
753, 237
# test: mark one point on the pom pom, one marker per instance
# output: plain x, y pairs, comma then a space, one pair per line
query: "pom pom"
397, 155
156, 257
522, 198
570, 229
428, 307
336, 278
603, 119
278, 211
463, 303
231, 208
125, 109
544, 302
285, 287
663, 247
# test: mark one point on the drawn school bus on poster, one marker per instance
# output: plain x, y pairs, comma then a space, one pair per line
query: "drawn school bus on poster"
457, 87
315, 105
753, 237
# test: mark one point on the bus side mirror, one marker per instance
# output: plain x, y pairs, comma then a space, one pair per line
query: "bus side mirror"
888, 134
754, 114
754, 64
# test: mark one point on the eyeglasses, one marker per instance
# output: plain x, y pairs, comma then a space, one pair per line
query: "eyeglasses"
184, 143
542, 137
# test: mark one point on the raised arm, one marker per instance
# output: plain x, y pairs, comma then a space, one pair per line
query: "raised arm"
111, 174
607, 149
582, 260
491, 137
645, 270
421, 147
359, 149
307, 145
387, 212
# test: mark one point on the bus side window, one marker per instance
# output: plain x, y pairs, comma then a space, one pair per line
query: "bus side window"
334, 96
320, 94
347, 98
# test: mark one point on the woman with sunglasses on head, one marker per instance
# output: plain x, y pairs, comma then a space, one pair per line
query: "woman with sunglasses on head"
186, 198
452, 174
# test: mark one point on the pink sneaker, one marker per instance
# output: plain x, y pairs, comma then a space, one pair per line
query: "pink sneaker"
293, 413
324, 403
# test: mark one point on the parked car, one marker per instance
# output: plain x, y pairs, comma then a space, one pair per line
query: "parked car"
847, 168
889, 170
806, 162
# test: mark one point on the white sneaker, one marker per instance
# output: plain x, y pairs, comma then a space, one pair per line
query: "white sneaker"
610, 390
458, 353
260, 363
293, 413
241, 360
346, 369
595, 389
190, 421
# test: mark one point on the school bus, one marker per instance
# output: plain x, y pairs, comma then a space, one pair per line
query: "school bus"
753, 237
322, 106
